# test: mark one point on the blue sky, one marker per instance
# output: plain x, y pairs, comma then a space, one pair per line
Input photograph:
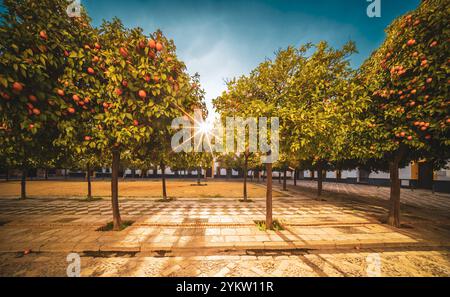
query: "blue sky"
222, 39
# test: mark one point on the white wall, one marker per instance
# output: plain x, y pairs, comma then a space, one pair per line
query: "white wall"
166, 171
307, 174
404, 173
331, 174
350, 174
379, 174
443, 174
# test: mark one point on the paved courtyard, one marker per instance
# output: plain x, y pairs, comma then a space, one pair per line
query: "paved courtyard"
202, 237
414, 197
309, 264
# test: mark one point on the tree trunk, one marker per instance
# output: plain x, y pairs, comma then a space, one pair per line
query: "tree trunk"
245, 176
319, 178
295, 177
88, 172
394, 201
269, 219
65, 174
284, 180
279, 176
133, 173
46, 174
23, 189
199, 175
7, 174
163, 175
338, 175
115, 189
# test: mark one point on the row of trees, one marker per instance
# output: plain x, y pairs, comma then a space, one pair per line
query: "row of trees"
77, 96
393, 110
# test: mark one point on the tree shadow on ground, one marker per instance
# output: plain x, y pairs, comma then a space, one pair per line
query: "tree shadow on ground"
416, 221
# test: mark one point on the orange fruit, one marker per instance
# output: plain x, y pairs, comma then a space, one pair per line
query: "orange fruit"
123, 52
43, 35
18, 87
142, 94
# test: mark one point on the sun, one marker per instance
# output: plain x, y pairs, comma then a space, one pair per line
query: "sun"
205, 127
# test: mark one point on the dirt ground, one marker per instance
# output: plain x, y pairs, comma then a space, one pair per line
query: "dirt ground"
152, 188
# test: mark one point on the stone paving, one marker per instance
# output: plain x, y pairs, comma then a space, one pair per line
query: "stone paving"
183, 237
55, 225
311, 264
415, 197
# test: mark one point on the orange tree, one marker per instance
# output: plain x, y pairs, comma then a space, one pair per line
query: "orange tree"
226, 161
407, 78
157, 151
199, 161
75, 95
243, 163
234, 104
194, 103
194, 111
127, 82
34, 35
260, 94
268, 93
323, 107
